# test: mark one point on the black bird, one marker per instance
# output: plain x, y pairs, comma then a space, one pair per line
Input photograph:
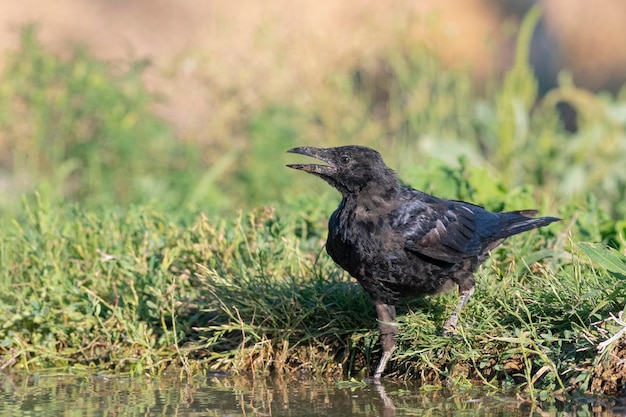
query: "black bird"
398, 241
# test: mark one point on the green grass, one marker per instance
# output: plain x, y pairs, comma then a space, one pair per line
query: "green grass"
124, 248
134, 291
83, 130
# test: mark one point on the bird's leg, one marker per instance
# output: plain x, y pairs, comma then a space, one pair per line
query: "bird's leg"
450, 326
388, 331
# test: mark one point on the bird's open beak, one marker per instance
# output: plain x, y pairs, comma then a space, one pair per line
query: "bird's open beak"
319, 153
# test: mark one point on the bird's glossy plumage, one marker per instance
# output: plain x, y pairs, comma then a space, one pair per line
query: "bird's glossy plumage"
398, 241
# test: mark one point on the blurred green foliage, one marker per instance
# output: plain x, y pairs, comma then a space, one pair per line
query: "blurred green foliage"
80, 129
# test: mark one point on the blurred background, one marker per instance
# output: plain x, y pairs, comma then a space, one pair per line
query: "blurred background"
192, 104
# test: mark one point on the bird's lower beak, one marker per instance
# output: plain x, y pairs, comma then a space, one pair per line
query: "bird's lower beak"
318, 153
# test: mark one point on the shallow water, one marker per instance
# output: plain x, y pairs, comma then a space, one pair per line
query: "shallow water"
71, 395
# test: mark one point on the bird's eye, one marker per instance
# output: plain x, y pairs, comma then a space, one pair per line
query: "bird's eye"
344, 159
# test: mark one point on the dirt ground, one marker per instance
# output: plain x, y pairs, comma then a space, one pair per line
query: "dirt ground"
267, 48
609, 377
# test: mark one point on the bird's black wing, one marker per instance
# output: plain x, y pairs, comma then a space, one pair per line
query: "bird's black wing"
445, 230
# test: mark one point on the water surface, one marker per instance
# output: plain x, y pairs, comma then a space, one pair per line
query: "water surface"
52, 394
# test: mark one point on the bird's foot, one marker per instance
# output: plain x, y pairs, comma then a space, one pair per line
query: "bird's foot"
443, 353
450, 327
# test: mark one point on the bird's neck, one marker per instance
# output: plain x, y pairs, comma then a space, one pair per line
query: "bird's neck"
374, 195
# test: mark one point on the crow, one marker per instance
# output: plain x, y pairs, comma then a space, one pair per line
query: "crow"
397, 241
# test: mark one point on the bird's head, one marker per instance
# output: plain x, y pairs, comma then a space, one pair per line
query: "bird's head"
349, 169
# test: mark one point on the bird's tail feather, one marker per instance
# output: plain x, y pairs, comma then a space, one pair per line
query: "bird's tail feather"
514, 222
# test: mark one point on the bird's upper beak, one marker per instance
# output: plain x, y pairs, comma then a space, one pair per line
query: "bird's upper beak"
322, 154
